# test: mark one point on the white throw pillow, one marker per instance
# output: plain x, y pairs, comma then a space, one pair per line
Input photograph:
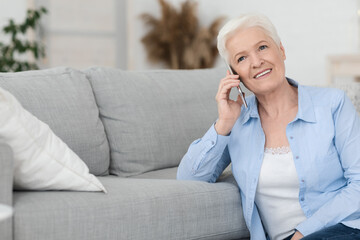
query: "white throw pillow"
42, 161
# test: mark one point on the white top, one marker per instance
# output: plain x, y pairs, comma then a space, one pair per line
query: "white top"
277, 194
5, 211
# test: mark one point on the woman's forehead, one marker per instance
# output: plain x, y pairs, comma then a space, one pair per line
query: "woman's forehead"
243, 38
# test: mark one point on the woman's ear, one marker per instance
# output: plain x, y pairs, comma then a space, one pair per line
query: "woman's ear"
282, 50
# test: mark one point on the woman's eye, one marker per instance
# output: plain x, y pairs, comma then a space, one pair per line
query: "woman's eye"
262, 47
241, 59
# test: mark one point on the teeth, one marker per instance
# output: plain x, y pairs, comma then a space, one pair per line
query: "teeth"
263, 73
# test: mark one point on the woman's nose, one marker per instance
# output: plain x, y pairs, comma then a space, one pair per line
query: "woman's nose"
256, 61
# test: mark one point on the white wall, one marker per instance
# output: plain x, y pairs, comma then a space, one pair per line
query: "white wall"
11, 9
77, 33
80, 33
309, 30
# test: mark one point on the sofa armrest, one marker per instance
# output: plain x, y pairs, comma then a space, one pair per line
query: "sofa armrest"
6, 174
6, 187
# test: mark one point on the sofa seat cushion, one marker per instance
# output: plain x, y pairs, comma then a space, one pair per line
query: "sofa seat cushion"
132, 209
167, 173
151, 117
170, 173
63, 99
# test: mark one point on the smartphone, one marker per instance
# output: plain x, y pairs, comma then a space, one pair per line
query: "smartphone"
238, 87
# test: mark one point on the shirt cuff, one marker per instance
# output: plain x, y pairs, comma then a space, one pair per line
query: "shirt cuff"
216, 140
213, 144
309, 226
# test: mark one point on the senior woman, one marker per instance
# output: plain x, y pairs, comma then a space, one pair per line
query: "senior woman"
295, 151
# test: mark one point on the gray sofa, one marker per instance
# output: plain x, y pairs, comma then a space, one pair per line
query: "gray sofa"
131, 129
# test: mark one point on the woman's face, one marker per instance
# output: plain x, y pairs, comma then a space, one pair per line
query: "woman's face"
257, 59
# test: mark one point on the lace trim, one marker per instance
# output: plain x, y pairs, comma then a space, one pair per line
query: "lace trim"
278, 150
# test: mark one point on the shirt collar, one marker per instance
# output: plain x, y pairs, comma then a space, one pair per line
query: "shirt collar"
305, 105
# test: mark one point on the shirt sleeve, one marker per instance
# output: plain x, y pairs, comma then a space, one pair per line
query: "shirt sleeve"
206, 158
345, 205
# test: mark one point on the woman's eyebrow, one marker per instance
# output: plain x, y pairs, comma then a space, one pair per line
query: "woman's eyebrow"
244, 51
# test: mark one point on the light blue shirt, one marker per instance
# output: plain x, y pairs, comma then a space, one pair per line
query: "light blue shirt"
324, 138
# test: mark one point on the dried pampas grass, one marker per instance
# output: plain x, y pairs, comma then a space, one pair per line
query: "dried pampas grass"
178, 40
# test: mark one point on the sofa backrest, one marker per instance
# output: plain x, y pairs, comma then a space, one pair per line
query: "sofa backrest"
151, 117
63, 99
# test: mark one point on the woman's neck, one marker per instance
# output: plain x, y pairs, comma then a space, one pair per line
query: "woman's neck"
278, 102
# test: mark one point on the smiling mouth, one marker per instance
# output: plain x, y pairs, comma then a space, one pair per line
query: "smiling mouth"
267, 71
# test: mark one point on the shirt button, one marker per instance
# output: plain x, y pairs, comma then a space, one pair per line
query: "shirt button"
302, 199
212, 142
302, 180
291, 137
297, 157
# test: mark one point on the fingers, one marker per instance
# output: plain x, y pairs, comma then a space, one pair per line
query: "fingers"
225, 86
225, 89
229, 78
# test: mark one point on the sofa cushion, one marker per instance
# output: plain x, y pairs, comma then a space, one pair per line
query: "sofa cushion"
151, 117
133, 209
63, 99
170, 173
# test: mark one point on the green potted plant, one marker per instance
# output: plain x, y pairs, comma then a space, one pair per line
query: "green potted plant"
11, 53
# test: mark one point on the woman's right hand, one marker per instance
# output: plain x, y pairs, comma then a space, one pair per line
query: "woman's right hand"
229, 110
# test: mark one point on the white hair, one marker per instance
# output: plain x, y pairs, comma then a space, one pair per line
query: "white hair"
243, 22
